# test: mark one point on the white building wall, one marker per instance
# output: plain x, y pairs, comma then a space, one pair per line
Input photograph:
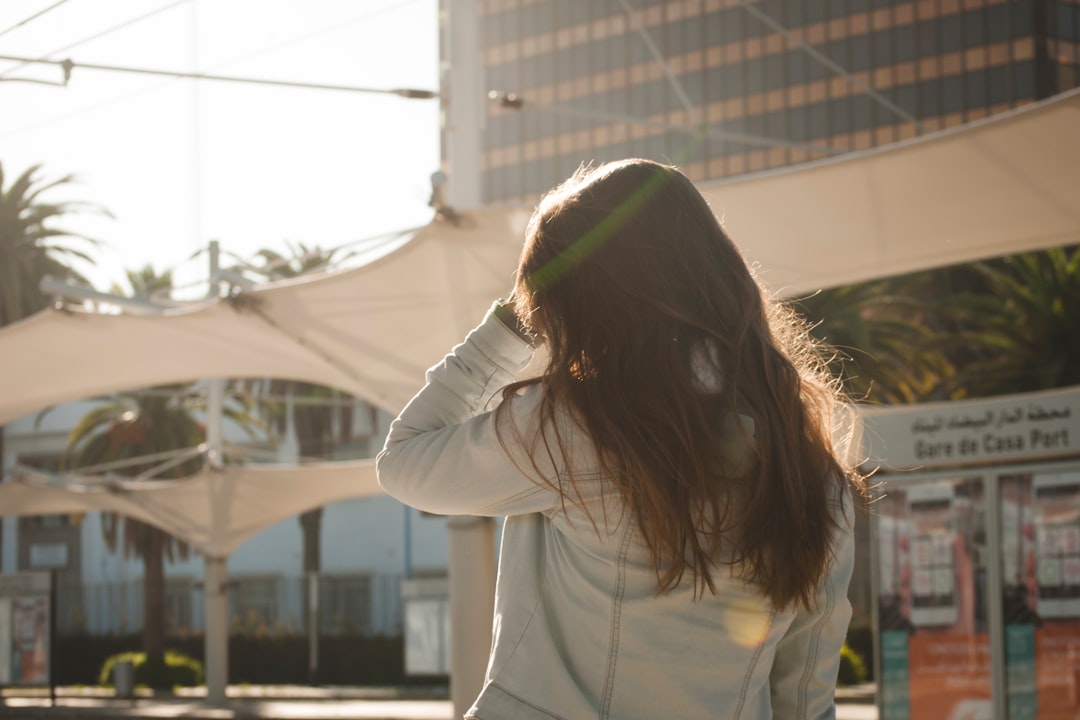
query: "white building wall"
364, 536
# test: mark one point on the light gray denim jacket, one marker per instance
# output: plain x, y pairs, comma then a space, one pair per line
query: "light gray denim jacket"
579, 630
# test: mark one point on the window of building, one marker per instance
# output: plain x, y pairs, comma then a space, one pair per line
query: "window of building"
862, 111
1068, 22
731, 22
975, 33
952, 33
798, 123
178, 604
930, 94
952, 87
976, 93
774, 72
1023, 80
255, 602
905, 97
860, 53
795, 12
840, 116
754, 73
345, 604
776, 124
997, 23
998, 80
903, 43
818, 120
729, 81
1022, 20
926, 34
882, 46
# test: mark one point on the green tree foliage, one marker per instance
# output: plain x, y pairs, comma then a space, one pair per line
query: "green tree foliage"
150, 434
313, 406
31, 244
882, 334
132, 427
1018, 323
987, 328
31, 247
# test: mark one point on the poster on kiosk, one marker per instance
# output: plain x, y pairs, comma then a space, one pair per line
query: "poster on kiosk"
977, 558
936, 652
1040, 524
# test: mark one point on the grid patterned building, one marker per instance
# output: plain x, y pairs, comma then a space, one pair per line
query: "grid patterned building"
724, 87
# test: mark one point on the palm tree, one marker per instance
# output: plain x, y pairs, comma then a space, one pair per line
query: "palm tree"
135, 427
313, 406
883, 334
1016, 321
129, 427
29, 247
146, 282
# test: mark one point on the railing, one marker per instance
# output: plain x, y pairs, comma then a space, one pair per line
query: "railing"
360, 603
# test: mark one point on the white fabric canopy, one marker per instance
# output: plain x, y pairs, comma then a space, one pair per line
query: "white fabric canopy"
370, 331
214, 511
1003, 185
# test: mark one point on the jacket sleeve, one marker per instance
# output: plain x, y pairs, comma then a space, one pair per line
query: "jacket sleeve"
804, 672
443, 453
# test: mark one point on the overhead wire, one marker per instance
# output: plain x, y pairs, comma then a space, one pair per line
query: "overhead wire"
136, 93
408, 93
96, 36
33, 17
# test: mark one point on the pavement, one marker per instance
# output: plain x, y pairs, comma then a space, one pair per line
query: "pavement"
281, 702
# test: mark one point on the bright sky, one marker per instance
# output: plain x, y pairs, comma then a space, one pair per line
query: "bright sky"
180, 162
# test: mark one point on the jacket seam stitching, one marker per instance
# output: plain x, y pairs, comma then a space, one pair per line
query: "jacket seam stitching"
815, 638
753, 663
616, 617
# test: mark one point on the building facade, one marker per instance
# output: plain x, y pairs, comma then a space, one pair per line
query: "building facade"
726, 87
723, 88
369, 545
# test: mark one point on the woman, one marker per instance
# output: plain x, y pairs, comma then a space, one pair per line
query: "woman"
678, 541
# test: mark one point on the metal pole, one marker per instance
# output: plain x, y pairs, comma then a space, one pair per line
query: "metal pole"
215, 595
471, 577
408, 542
216, 628
313, 628
995, 614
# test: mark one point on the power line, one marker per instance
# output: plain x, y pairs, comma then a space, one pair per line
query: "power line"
35, 16
68, 65
337, 26
95, 36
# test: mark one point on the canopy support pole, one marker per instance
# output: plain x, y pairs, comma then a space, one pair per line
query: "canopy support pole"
215, 593
471, 579
216, 629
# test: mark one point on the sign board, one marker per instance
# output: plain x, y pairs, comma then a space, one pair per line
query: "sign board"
427, 626
1032, 426
25, 628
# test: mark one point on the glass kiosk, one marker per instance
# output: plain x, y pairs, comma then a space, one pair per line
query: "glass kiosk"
976, 558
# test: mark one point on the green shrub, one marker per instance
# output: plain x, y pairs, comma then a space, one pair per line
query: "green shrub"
175, 669
852, 667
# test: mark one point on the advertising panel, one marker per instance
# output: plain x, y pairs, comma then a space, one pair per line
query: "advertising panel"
1040, 522
25, 628
931, 609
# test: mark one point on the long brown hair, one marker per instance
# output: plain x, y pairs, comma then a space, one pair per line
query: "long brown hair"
638, 292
